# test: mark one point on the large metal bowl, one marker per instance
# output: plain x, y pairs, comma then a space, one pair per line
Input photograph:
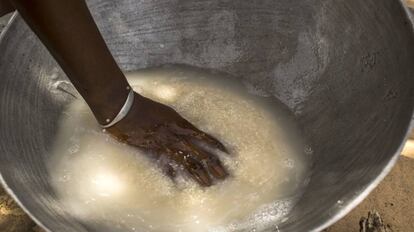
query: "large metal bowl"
345, 68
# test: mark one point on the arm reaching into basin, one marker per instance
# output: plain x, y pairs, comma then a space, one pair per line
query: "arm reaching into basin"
67, 29
6, 7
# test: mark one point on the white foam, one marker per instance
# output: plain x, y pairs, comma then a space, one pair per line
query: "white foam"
116, 185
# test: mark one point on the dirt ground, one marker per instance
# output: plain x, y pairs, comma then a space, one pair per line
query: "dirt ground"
393, 199
12, 218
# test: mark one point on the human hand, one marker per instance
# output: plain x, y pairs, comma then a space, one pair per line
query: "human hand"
160, 131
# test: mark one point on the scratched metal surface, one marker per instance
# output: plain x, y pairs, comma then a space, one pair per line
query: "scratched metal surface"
345, 68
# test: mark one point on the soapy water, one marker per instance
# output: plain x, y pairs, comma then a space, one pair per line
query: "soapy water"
111, 186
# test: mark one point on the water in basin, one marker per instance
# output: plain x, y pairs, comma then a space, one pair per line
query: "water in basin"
118, 188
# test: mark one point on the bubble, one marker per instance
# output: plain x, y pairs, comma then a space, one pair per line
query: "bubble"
290, 163
308, 150
64, 178
74, 149
54, 76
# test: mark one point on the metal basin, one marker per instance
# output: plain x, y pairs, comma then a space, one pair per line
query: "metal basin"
344, 68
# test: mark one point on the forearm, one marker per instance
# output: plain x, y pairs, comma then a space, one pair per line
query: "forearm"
5, 7
67, 29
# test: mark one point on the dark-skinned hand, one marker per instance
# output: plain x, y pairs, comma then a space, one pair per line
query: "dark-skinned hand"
153, 127
160, 131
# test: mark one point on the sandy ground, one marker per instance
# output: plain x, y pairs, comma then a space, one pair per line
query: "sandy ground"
393, 199
12, 218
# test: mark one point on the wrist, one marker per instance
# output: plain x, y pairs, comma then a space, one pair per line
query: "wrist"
106, 105
122, 112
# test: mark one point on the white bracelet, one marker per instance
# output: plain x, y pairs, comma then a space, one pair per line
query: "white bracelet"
123, 112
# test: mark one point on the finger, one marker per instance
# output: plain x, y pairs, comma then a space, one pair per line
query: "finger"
213, 164
215, 167
165, 163
169, 171
211, 141
197, 171
190, 130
